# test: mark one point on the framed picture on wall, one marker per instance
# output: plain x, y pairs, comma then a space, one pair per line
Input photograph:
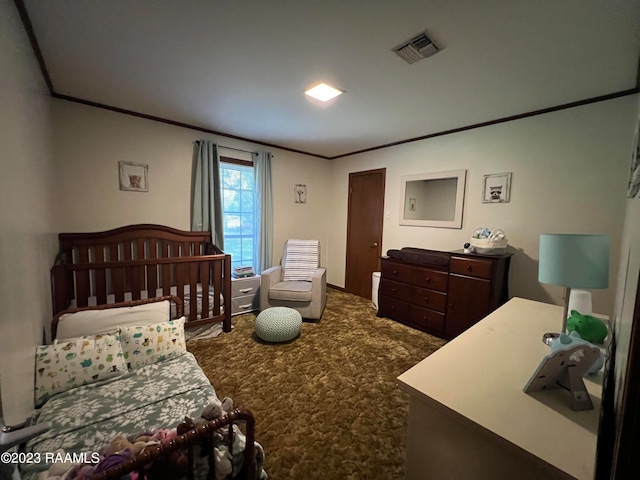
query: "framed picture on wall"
300, 193
133, 176
496, 188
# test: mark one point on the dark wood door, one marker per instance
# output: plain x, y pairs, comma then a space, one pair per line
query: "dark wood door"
364, 229
468, 302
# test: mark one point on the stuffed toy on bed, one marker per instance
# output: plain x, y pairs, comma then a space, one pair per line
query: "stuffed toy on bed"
121, 449
222, 457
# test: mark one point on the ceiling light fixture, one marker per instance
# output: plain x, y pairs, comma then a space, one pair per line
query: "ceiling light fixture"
323, 92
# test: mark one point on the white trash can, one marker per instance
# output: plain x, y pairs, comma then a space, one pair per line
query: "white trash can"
375, 283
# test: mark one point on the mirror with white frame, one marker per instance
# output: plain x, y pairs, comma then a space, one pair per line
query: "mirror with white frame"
433, 199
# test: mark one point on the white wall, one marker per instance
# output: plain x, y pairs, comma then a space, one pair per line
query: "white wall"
89, 142
570, 170
27, 238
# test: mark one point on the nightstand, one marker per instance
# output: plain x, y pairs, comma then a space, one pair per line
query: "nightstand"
245, 294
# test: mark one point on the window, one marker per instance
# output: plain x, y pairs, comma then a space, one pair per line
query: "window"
238, 211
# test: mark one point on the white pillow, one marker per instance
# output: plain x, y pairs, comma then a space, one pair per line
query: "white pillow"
147, 344
88, 322
78, 361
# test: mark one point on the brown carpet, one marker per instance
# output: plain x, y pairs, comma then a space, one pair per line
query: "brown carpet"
326, 404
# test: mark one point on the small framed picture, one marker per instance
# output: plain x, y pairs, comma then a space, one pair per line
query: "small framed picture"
300, 194
496, 188
133, 176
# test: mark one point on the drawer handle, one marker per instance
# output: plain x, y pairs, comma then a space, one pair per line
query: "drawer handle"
469, 267
245, 290
426, 299
394, 290
427, 279
395, 272
244, 306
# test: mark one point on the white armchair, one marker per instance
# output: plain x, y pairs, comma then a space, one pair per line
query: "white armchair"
298, 282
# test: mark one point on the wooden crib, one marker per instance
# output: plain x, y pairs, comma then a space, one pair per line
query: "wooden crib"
144, 261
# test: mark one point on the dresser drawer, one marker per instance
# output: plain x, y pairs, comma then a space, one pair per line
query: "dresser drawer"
393, 308
244, 304
245, 286
474, 267
424, 297
427, 319
432, 279
396, 271
400, 291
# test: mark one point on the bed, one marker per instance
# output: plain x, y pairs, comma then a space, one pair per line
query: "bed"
143, 261
134, 383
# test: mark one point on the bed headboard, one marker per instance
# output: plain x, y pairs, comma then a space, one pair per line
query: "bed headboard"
137, 261
142, 241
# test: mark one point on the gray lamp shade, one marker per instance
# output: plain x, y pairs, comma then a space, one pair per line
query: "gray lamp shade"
574, 260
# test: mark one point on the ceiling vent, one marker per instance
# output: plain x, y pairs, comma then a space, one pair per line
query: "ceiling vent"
419, 47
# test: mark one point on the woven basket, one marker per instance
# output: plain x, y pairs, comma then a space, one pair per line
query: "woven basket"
489, 246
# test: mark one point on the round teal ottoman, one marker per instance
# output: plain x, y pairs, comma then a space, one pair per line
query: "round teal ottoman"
278, 324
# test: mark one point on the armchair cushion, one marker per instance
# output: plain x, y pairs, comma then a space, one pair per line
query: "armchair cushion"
294, 291
301, 260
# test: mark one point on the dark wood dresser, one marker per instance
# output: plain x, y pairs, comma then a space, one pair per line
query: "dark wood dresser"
445, 296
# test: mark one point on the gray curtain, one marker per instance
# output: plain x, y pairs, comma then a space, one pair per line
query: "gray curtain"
206, 205
264, 211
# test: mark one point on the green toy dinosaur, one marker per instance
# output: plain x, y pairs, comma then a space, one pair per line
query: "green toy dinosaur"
590, 328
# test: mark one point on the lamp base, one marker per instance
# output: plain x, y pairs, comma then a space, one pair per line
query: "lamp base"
547, 338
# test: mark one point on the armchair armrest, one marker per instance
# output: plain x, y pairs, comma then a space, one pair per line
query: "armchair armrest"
319, 286
268, 277
271, 276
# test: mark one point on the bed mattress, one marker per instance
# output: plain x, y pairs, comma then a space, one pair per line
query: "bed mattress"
87, 418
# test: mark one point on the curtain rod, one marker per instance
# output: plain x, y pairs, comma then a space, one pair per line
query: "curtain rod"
237, 149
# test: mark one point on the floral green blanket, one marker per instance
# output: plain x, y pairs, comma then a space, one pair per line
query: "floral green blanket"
87, 418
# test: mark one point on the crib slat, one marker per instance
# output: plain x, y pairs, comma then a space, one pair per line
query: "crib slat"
217, 286
204, 278
113, 257
118, 283
137, 273
166, 270
83, 287
193, 291
100, 277
181, 272
152, 270
126, 247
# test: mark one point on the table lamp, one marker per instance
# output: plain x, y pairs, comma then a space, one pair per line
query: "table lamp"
574, 261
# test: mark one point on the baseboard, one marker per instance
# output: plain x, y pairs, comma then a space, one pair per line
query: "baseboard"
335, 287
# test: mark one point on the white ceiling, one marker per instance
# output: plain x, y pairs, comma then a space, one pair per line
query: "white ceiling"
240, 67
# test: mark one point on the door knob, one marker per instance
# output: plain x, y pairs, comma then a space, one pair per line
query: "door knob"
374, 245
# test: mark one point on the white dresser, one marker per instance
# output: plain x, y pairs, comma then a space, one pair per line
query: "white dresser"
470, 419
245, 294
